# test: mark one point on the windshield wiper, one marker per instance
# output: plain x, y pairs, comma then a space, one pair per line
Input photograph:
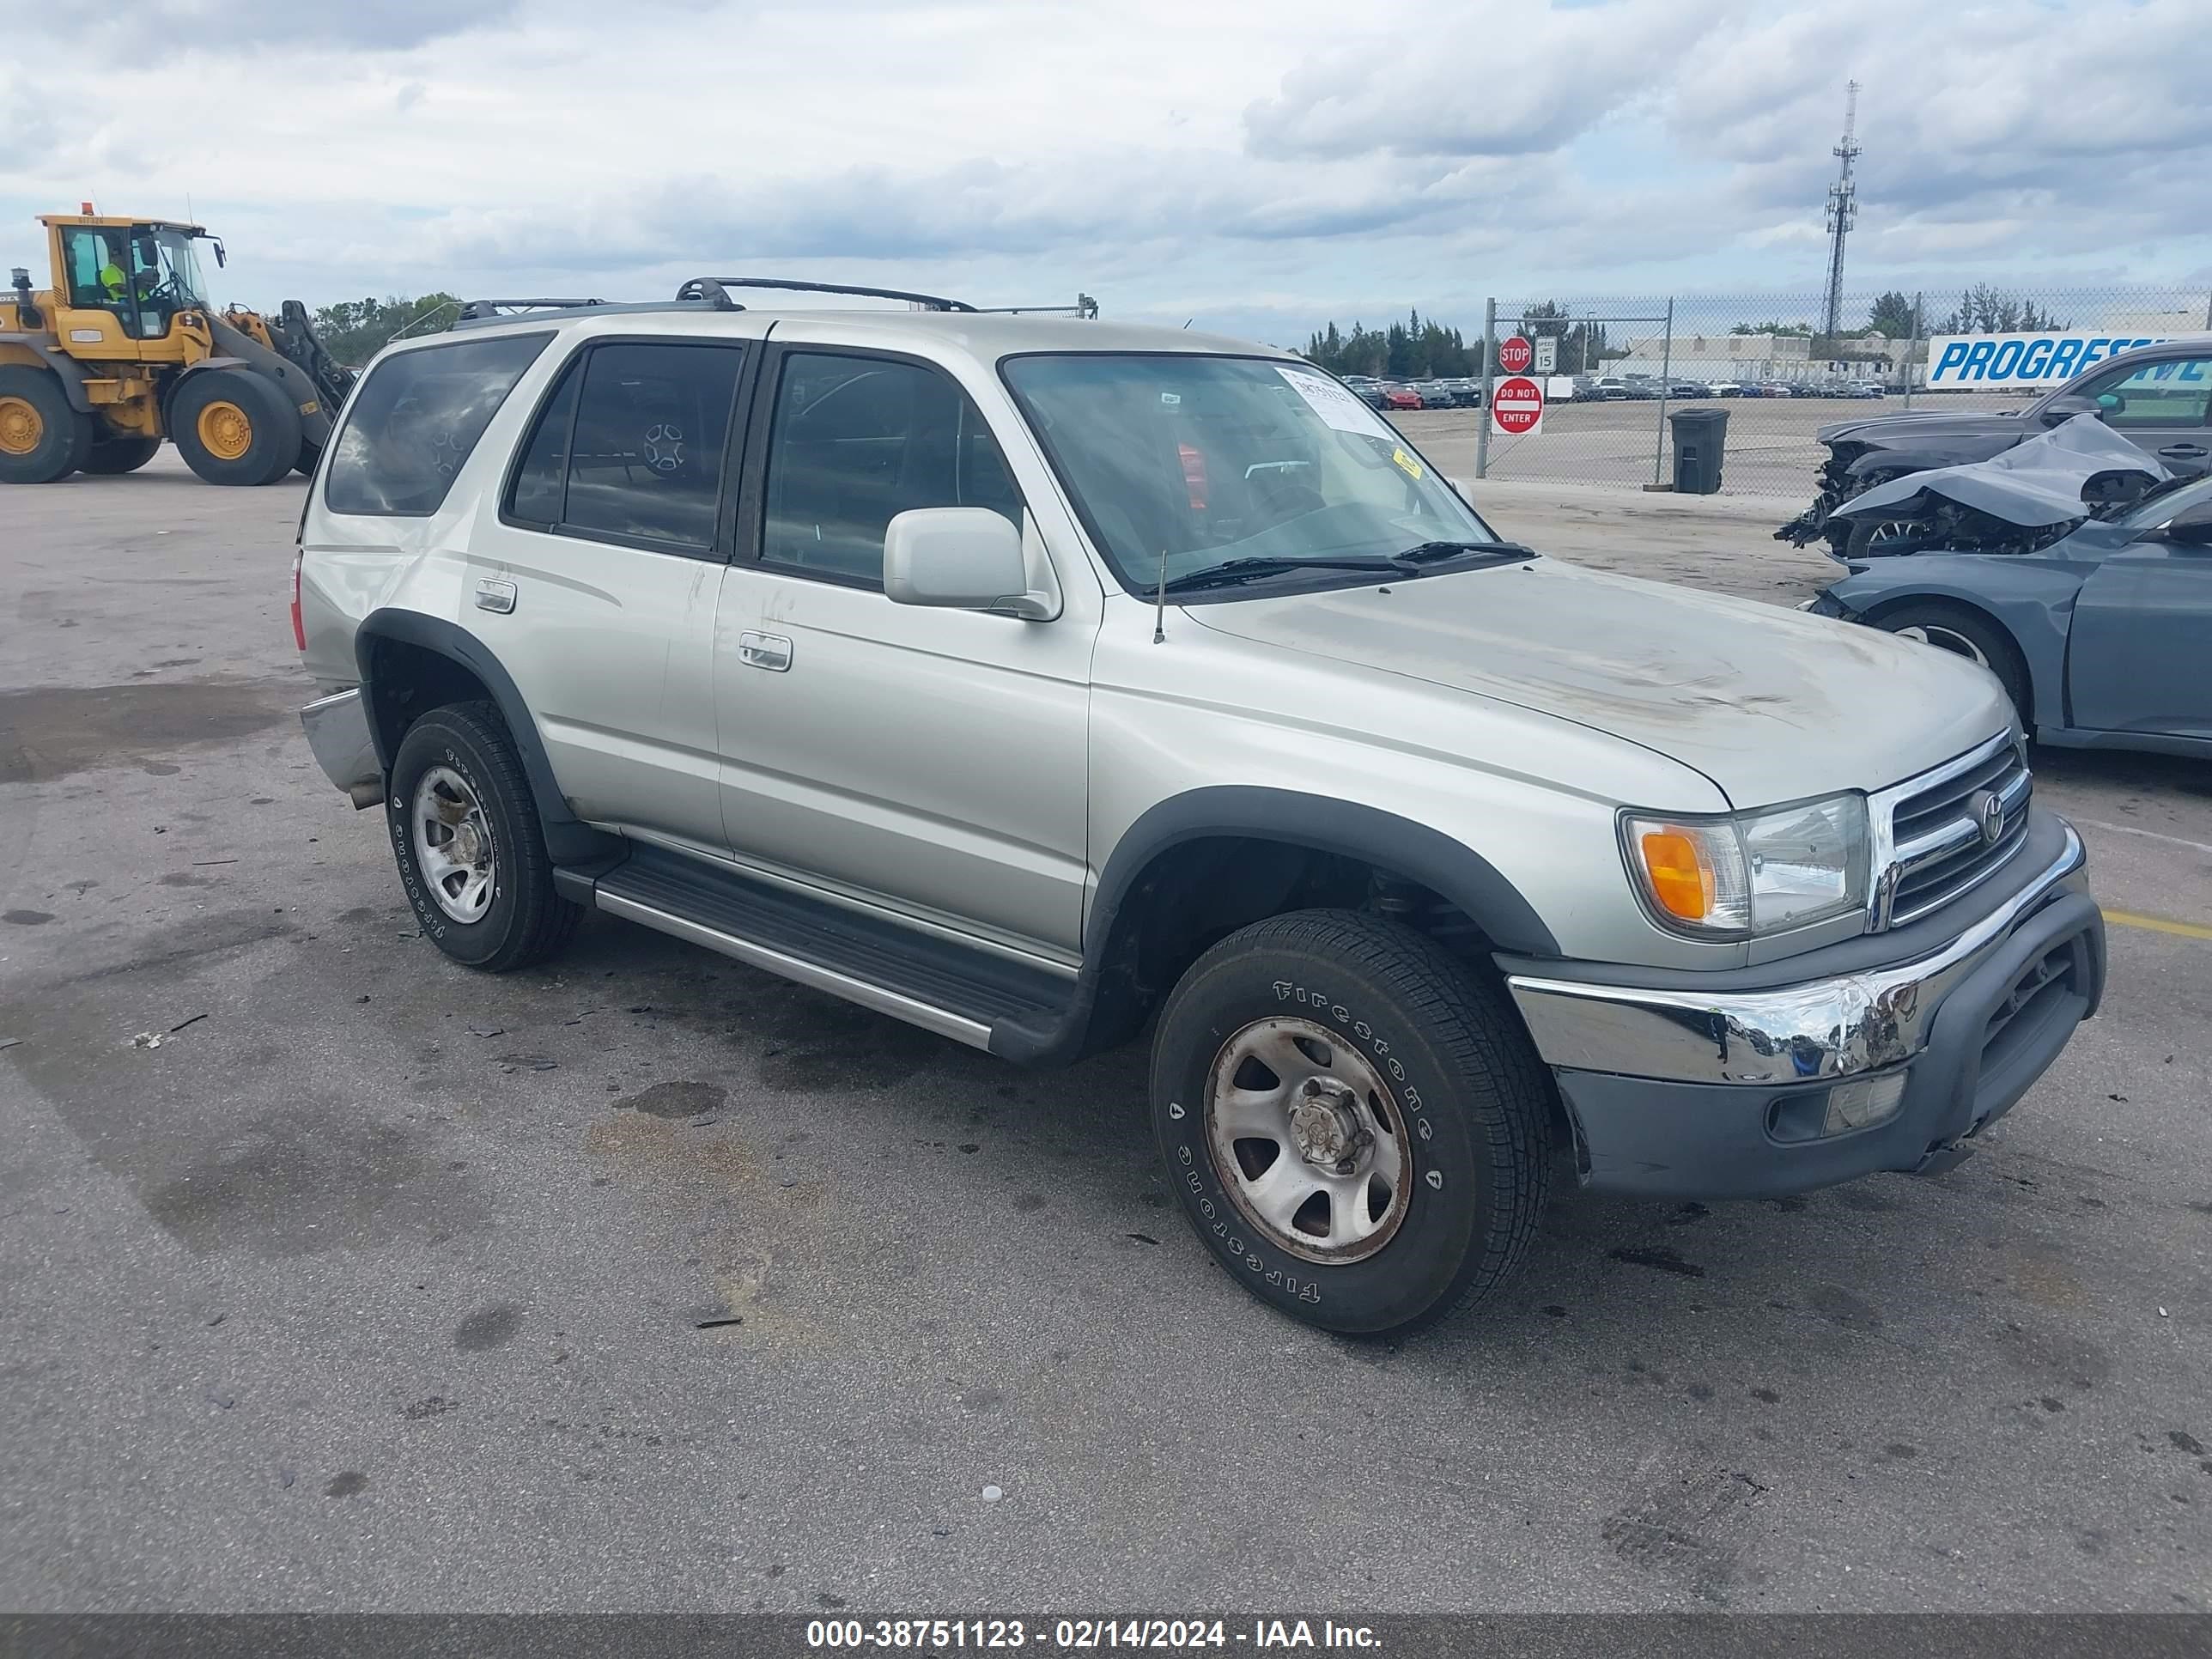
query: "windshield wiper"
1489, 552
1237, 571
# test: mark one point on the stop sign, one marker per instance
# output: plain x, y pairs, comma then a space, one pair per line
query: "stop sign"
1514, 355
1516, 406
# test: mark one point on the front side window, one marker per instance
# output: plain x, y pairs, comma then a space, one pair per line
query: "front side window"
858, 440
1237, 466
413, 423
2159, 394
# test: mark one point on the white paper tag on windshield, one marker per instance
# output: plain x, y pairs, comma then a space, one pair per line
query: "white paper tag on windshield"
1335, 405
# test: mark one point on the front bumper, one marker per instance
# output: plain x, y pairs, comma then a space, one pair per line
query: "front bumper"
1683, 1092
338, 733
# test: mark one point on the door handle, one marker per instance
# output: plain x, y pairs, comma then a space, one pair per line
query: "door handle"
769, 651
2184, 452
494, 594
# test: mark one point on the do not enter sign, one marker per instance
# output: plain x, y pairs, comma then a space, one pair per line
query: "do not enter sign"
1515, 355
1516, 407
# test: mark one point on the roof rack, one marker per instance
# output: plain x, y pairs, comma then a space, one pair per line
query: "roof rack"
476, 314
713, 289
478, 311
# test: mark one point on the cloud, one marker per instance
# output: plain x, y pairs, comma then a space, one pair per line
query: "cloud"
1279, 160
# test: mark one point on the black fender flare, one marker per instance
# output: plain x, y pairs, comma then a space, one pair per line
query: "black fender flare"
569, 839
1450, 868
1104, 1004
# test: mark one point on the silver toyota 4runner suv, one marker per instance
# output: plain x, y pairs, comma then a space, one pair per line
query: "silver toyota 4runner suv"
1037, 680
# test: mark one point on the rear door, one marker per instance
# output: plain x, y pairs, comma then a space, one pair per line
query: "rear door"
2139, 657
2164, 408
594, 573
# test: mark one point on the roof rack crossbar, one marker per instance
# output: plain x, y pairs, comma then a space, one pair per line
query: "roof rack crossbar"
707, 288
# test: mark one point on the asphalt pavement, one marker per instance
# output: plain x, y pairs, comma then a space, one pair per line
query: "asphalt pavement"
332, 1275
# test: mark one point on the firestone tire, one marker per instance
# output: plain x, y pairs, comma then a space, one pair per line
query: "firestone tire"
1408, 1061
470, 850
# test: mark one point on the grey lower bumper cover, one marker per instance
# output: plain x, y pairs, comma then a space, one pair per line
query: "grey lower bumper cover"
1678, 1093
338, 731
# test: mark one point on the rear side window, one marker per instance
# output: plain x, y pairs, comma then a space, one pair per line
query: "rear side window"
412, 424
630, 446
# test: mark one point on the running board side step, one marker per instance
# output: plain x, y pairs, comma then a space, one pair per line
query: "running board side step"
952, 989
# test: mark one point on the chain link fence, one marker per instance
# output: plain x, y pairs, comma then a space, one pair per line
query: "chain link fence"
1614, 368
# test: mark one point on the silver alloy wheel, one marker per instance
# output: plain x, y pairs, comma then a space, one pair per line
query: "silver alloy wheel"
452, 844
1307, 1140
1945, 639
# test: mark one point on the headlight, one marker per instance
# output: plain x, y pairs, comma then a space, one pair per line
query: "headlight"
1754, 872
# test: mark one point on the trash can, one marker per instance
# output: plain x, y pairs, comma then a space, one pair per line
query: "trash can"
1701, 436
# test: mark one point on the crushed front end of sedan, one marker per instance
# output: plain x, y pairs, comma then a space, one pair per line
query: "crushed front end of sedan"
2021, 500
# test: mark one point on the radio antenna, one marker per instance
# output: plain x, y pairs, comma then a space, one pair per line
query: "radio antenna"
1160, 601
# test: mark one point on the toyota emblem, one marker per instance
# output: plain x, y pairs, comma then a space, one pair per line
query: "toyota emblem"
1989, 812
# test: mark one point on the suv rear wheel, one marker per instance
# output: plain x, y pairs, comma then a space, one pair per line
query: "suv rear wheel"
470, 850
1357, 1126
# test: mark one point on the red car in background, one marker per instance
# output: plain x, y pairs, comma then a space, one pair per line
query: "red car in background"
1401, 396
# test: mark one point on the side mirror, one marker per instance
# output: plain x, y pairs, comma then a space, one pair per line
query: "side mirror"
961, 558
2067, 405
221, 258
2191, 528
1458, 487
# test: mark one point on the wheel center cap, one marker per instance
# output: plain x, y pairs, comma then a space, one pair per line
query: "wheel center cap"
1325, 1125
468, 844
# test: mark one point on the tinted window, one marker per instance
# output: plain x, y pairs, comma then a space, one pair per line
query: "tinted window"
2161, 394
858, 440
652, 422
414, 421
540, 481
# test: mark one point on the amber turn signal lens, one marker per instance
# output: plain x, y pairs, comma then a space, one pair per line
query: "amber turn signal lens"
1682, 881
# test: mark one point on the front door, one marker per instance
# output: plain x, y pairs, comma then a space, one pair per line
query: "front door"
2163, 408
932, 761
593, 577
2139, 657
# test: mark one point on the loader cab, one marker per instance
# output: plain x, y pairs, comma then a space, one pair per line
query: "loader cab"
124, 282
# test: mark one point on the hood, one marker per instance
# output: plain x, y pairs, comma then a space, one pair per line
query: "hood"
2037, 483
1770, 704
1973, 435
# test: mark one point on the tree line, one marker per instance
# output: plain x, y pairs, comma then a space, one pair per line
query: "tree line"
353, 330
1421, 347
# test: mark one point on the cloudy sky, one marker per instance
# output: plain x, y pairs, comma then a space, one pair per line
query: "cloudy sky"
1259, 165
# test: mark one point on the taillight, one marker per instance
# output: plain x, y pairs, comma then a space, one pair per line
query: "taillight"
299, 628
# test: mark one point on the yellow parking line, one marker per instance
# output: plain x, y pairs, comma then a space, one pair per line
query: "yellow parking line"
2158, 924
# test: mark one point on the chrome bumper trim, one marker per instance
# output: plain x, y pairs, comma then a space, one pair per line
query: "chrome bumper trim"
338, 733
1826, 1028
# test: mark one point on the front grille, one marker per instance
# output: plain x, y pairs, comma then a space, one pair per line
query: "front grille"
1938, 846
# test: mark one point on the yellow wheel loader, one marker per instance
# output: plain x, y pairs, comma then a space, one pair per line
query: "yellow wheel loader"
124, 349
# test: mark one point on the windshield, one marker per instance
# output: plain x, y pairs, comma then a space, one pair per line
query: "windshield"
166, 260
1221, 460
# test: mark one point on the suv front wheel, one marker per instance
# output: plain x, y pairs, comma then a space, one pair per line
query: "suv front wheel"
470, 850
1357, 1126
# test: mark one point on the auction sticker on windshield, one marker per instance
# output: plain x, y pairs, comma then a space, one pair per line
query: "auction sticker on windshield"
1338, 407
